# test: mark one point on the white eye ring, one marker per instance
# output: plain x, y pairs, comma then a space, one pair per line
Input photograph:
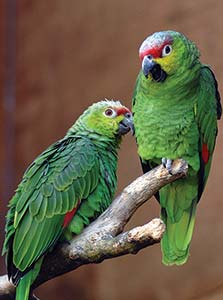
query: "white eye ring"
167, 49
110, 113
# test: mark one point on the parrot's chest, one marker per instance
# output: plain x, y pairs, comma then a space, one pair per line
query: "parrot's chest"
165, 131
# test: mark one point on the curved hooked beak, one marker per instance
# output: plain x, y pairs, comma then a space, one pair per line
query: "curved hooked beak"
149, 66
126, 125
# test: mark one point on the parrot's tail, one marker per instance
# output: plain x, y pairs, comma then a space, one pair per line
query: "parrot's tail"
177, 237
23, 288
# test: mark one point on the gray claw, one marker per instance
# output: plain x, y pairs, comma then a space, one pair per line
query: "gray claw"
164, 161
167, 163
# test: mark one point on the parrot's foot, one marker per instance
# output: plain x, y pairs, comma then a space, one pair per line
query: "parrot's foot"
167, 163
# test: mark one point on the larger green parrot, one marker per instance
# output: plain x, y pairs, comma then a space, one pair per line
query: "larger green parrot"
176, 105
64, 189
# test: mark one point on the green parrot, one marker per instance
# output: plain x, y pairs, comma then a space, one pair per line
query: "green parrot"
63, 190
176, 105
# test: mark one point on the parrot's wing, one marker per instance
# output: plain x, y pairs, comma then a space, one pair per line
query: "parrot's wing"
47, 199
207, 110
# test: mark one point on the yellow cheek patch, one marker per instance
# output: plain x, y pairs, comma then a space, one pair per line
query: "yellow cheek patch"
168, 63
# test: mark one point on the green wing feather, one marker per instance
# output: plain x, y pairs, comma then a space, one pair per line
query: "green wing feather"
65, 173
208, 110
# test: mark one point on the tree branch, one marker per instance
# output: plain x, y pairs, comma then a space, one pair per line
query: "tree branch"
103, 238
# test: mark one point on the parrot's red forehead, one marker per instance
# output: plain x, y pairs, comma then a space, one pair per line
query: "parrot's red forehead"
155, 51
122, 110
154, 45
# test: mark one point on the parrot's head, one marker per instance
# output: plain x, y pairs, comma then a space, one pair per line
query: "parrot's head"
107, 118
165, 54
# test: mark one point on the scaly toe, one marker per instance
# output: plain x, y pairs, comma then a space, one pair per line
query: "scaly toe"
167, 163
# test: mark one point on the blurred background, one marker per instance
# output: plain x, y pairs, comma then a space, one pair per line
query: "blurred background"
56, 58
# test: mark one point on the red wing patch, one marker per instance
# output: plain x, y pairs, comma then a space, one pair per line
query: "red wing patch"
69, 216
205, 153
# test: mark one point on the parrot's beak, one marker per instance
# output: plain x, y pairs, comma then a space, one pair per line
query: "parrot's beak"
149, 66
126, 125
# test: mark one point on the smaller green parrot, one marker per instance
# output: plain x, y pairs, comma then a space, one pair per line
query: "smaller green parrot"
63, 190
176, 105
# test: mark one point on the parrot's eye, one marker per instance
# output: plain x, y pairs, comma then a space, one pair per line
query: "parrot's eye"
109, 112
166, 50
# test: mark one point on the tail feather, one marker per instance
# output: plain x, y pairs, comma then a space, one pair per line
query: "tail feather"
176, 240
23, 288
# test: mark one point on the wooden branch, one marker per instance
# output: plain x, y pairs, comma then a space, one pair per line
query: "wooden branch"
103, 238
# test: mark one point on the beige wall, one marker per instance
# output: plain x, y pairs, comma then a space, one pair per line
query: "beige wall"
72, 53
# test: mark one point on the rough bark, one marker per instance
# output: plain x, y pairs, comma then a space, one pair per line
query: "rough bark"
104, 238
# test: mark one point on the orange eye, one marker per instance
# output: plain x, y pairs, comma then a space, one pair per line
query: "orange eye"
110, 113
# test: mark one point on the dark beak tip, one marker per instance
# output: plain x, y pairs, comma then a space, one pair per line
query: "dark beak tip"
132, 128
145, 73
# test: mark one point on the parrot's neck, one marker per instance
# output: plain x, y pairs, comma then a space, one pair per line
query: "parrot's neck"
102, 141
175, 88
107, 148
